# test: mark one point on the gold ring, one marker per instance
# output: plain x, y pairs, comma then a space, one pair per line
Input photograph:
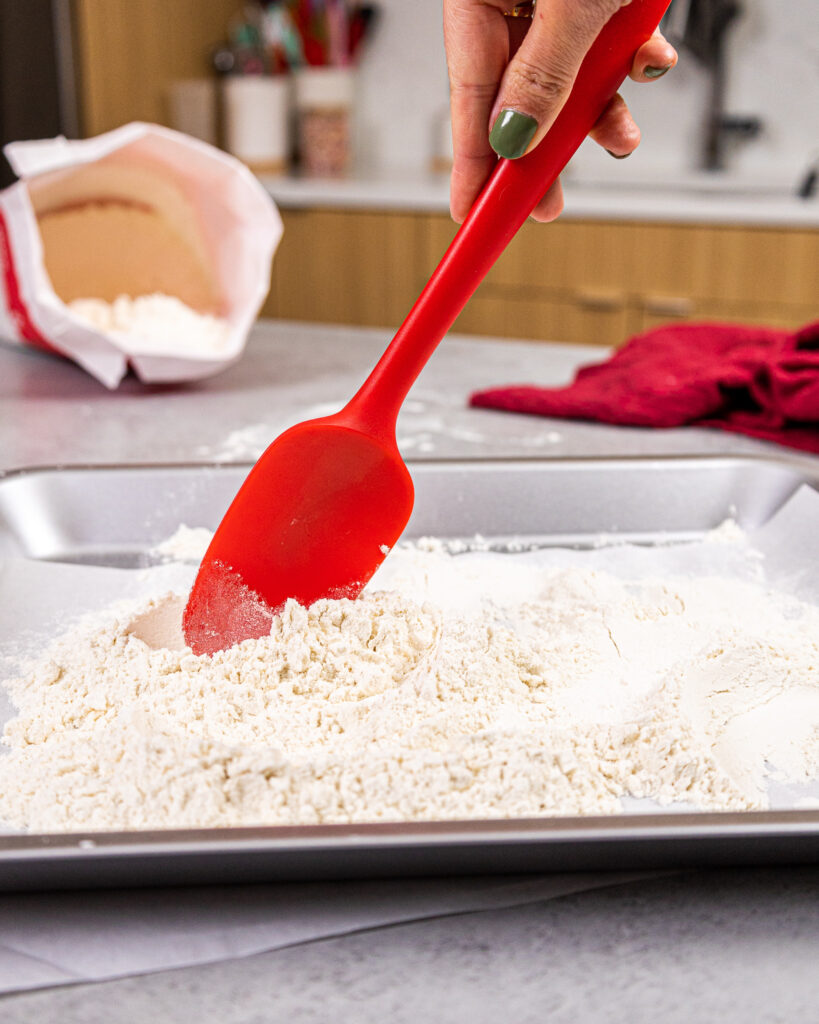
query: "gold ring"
525, 9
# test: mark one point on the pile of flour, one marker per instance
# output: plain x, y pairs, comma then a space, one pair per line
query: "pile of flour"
155, 324
477, 685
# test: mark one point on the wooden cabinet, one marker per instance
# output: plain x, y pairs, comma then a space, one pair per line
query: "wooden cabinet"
564, 281
751, 275
588, 281
347, 267
591, 320
129, 51
551, 259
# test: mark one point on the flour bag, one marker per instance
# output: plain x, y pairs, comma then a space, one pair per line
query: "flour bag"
139, 248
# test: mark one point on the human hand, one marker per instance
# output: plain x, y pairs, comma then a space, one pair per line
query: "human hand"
513, 75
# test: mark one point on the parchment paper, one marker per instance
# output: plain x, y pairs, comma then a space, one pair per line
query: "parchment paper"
62, 938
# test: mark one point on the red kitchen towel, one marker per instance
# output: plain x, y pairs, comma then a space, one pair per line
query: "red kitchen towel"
752, 380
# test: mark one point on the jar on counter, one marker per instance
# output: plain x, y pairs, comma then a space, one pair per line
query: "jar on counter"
324, 107
256, 112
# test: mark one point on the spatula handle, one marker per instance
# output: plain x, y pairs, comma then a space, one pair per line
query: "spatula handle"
509, 196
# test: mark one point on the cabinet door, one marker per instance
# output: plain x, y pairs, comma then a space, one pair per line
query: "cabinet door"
667, 264
551, 258
590, 282
346, 267
752, 267
760, 266
588, 320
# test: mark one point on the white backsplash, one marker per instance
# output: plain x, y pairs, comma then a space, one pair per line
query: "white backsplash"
403, 88
773, 74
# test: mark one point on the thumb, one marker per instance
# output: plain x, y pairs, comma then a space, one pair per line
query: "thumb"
540, 76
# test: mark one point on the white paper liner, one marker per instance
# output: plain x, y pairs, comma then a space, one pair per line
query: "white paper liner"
65, 938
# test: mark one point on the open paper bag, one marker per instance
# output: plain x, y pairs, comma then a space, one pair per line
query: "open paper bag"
137, 211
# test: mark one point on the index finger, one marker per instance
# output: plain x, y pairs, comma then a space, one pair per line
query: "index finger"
540, 76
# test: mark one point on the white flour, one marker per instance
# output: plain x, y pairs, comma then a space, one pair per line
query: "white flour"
186, 544
428, 423
155, 324
475, 686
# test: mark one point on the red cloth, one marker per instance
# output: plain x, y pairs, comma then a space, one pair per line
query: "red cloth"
752, 380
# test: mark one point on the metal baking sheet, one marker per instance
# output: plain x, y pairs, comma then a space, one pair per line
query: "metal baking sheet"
114, 516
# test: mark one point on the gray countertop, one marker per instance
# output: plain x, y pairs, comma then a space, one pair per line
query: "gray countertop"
53, 412
728, 945
697, 198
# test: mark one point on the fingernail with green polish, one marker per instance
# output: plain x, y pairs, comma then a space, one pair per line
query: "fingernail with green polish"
618, 156
511, 133
651, 72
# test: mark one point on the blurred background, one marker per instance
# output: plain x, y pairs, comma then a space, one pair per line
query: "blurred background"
341, 109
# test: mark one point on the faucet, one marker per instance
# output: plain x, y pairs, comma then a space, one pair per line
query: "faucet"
809, 185
701, 26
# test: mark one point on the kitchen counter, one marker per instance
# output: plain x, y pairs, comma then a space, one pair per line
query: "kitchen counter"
726, 945
696, 199
54, 413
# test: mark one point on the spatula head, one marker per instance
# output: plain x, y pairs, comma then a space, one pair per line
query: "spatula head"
315, 518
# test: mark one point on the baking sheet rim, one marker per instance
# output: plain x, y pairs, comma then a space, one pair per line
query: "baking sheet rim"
786, 459
618, 827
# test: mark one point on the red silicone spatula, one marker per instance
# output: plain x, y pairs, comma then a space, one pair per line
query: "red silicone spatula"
328, 499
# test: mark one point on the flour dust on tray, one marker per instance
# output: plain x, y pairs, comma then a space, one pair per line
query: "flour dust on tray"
479, 685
